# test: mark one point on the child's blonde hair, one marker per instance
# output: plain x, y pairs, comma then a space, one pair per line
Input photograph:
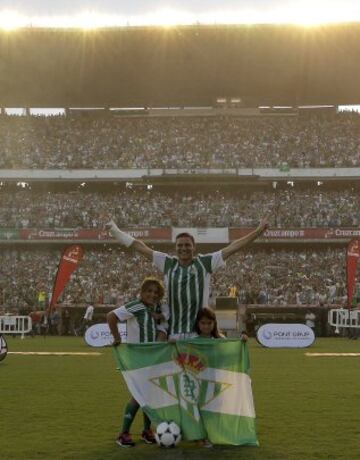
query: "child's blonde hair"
151, 280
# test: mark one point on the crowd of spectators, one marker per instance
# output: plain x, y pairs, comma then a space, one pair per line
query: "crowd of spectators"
112, 276
132, 208
178, 142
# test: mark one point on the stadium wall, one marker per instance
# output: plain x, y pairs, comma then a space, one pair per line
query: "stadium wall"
87, 175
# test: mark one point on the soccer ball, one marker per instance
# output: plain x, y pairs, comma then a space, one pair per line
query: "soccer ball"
3, 348
167, 434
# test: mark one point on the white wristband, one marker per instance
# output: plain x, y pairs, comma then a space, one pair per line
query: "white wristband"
122, 237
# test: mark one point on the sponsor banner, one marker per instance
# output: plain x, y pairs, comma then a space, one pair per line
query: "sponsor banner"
89, 234
167, 234
299, 233
285, 335
161, 234
204, 235
99, 335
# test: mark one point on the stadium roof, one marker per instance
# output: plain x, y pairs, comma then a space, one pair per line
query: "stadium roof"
180, 66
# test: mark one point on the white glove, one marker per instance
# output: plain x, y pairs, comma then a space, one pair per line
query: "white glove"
122, 237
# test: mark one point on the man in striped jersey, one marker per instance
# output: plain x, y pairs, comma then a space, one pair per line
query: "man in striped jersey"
146, 321
187, 276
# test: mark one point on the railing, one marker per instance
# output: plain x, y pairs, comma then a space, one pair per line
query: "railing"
15, 325
344, 318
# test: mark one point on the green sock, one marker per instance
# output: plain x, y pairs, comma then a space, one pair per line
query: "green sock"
130, 412
147, 422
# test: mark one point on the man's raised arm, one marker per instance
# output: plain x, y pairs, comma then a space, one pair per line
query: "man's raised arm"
127, 240
241, 242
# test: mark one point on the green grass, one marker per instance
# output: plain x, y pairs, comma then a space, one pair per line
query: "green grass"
54, 407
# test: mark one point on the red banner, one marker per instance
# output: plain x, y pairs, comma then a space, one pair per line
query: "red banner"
352, 257
68, 264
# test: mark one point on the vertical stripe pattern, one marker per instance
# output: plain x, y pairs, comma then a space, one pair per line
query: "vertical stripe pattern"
186, 292
142, 326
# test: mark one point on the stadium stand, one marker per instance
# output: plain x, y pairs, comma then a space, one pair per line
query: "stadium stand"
179, 142
109, 276
138, 207
155, 167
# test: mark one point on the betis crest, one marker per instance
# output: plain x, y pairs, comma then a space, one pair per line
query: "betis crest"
187, 383
202, 385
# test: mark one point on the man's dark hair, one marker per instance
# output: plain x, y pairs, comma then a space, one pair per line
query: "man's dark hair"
185, 235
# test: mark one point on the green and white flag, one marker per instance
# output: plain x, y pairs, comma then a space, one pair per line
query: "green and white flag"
203, 385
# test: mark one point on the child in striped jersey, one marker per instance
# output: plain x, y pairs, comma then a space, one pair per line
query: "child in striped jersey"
146, 322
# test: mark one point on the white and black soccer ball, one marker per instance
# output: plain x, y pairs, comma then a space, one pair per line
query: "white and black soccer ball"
3, 348
168, 434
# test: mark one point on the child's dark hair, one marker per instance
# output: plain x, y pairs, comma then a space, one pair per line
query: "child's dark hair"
153, 281
208, 314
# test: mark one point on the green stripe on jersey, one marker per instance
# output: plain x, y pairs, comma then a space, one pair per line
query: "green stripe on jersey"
186, 287
206, 261
146, 323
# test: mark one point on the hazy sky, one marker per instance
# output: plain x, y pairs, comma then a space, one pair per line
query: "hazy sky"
191, 11
135, 7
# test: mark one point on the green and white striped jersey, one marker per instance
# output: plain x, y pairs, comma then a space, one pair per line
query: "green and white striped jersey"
188, 287
140, 325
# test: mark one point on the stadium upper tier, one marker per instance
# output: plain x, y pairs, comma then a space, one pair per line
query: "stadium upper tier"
112, 276
287, 208
262, 64
196, 142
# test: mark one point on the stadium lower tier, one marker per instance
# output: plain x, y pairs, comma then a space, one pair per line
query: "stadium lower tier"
112, 276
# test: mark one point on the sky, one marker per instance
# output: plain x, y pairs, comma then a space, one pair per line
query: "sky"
92, 13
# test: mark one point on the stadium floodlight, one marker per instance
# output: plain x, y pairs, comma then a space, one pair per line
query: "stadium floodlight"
11, 20
166, 17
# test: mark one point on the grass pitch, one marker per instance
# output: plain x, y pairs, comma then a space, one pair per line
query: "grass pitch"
70, 407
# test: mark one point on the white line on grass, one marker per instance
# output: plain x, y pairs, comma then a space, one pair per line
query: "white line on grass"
332, 354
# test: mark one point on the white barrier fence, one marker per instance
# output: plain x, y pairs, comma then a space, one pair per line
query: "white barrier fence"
344, 318
15, 325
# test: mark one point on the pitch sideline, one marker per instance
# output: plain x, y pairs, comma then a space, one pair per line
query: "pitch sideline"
317, 355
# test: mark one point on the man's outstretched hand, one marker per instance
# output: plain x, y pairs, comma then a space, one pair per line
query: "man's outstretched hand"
264, 225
